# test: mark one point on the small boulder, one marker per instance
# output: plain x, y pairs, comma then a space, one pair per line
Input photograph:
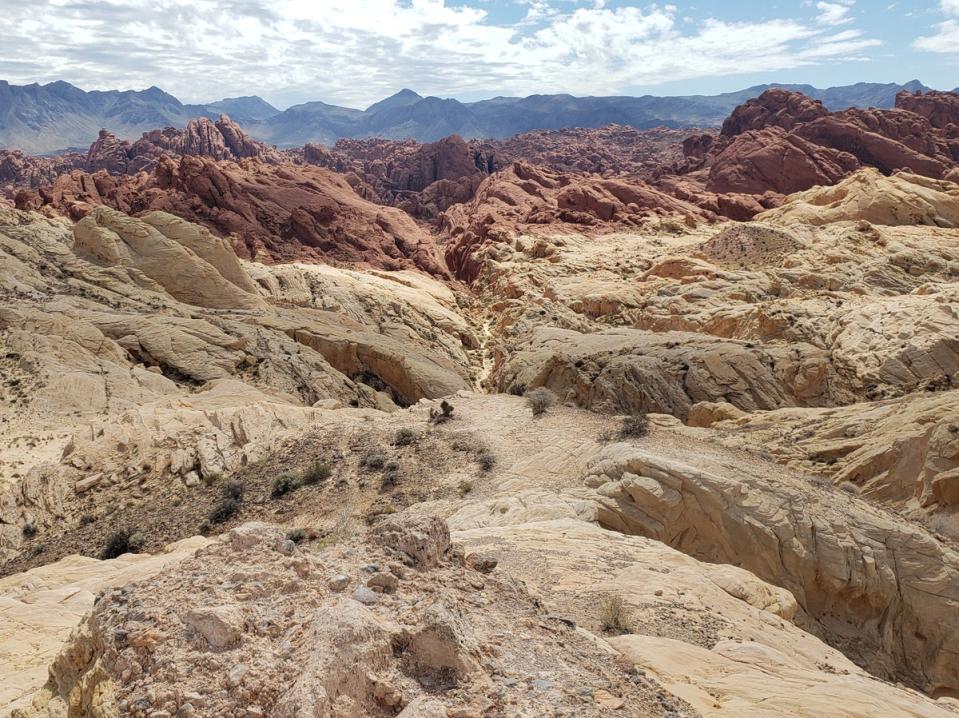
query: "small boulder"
221, 626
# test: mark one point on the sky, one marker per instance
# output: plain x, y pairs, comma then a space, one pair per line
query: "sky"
355, 52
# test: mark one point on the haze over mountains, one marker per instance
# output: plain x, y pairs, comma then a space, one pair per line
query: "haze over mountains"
56, 116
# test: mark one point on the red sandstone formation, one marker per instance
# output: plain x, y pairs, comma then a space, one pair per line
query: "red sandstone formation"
20, 171
785, 142
273, 212
526, 198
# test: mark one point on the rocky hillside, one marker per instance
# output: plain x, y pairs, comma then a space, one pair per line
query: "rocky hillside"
439, 430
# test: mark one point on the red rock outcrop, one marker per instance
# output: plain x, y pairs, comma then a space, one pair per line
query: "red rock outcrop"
785, 142
940, 108
421, 179
21, 171
273, 212
528, 199
220, 140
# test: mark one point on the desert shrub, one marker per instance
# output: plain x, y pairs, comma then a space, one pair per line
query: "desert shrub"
465, 487
391, 475
374, 459
118, 543
29, 530
517, 389
850, 488
486, 460
224, 510
317, 473
540, 400
405, 437
87, 519
443, 414
614, 615
136, 542
282, 485
634, 427
233, 490
296, 535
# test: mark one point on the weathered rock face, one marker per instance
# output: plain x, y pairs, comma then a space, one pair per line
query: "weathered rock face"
785, 142
421, 179
940, 108
286, 644
150, 334
903, 199
220, 140
630, 371
274, 212
21, 171
844, 570
524, 198
714, 634
771, 158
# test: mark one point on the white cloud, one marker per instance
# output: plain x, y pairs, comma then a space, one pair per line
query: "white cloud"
834, 13
945, 39
357, 51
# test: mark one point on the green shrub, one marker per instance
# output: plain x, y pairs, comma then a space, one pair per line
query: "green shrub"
317, 473
234, 490
373, 459
224, 510
282, 485
296, 535
540, 400
635, 426
118, 543
29, 530
392, 475
405, 437
614, 615
486, 460
136, 542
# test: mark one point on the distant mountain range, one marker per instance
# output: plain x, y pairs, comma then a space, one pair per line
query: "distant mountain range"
47, 118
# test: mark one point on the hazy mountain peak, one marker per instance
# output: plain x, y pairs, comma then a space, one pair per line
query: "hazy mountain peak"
400, 99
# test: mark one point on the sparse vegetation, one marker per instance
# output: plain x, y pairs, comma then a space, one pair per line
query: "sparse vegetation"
317, 473
136, 542
540, 400
224, 510
443, 414
465, 487
405, 437
614, 615
283, 485
296, 535
850, 488
119, 543
486, 460
234, 490
517, 389
87, 519
229, 504
29, 530
392, 475
373, 459
634, 426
